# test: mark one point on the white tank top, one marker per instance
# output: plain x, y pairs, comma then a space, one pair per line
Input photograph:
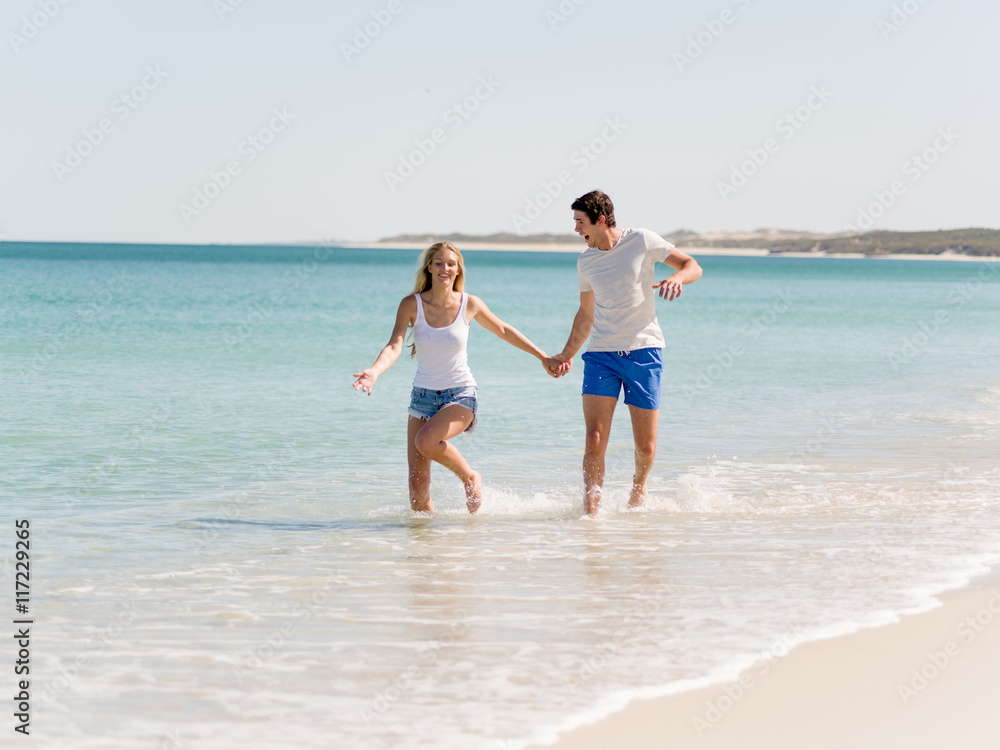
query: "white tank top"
442, 357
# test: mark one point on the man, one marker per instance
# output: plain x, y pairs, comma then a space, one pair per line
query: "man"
617, 311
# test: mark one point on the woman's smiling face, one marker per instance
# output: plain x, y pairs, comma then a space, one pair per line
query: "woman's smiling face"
444, 267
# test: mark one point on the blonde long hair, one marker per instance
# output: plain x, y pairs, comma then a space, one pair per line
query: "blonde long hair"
422, 279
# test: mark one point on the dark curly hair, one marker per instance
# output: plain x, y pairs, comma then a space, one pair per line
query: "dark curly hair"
596, 204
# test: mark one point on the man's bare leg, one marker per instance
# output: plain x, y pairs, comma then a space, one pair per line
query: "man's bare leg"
432, 442
644, 426
597, 414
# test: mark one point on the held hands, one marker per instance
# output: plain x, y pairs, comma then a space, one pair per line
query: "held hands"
670, 288
365, 381
557, 365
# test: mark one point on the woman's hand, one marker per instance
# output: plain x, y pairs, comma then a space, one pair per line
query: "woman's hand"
365, 381
557, 365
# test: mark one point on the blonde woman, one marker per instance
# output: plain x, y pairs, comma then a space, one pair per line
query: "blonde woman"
443, 401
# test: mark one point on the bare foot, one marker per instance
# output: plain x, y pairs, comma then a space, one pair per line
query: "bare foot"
592, 500
637, 497
422, 506
474, 492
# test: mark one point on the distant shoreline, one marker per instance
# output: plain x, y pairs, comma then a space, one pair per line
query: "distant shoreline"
939, 244
728, 251
529, 247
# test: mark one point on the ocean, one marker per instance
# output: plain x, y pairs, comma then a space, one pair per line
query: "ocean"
222, 554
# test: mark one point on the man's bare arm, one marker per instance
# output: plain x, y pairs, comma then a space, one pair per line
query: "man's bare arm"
561, 363
686, 269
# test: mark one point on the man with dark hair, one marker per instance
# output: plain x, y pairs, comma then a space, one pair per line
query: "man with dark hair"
618, 313
595, 204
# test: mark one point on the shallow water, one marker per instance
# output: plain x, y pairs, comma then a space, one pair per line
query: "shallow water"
221, 542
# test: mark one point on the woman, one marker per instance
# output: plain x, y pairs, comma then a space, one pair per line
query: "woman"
443, 400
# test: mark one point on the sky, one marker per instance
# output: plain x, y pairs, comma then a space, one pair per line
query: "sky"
256, 121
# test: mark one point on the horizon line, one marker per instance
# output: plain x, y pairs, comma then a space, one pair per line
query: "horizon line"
359, 242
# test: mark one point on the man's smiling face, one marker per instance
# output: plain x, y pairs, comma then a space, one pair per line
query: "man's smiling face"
588, 230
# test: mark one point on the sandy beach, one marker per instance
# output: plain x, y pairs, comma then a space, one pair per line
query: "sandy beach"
927, 682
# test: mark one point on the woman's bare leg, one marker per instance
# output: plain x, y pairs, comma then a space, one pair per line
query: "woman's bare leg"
432, 439
419, 469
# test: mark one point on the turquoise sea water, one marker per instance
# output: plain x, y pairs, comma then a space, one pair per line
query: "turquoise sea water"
222, 553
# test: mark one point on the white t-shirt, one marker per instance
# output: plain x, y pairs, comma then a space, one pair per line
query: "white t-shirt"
622, 280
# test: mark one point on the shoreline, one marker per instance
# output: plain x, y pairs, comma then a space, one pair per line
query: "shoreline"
924, 681
528, 247
726, 251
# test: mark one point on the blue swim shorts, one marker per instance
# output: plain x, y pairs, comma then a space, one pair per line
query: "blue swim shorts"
640, 371
425, 403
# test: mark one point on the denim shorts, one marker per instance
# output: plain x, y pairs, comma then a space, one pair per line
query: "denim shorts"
640, 371
425, 403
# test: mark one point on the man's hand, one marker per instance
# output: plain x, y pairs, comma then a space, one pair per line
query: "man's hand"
557, 365
670, 288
